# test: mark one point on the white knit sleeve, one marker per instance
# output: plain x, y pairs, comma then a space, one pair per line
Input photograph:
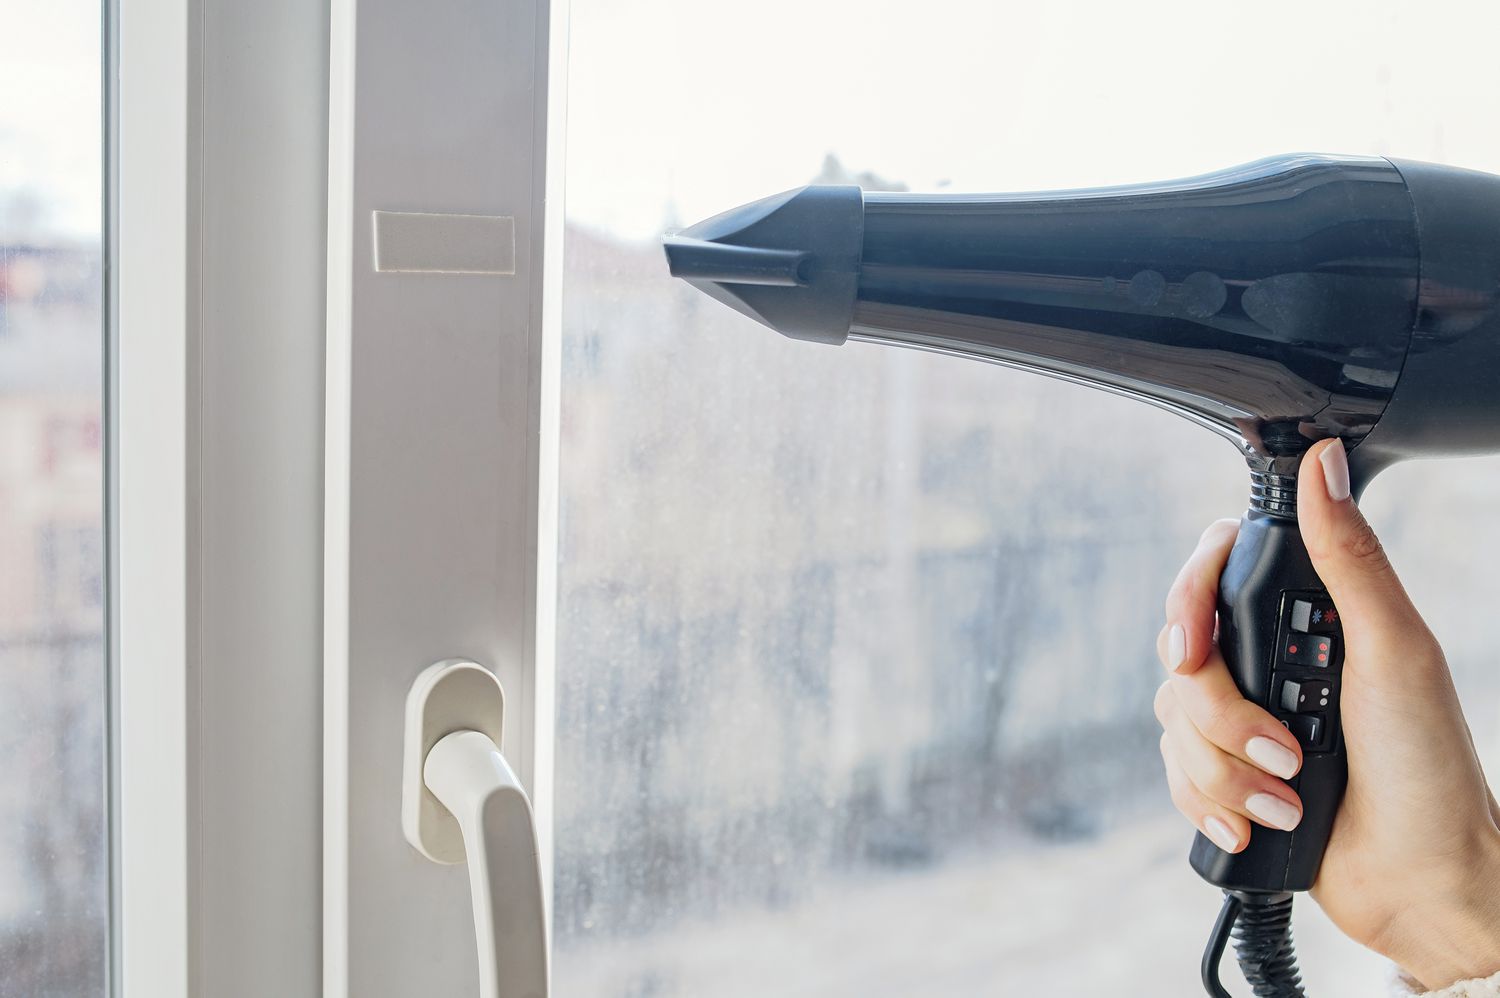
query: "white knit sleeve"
1485, 987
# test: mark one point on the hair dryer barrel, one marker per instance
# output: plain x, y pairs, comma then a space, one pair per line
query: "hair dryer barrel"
1273, 302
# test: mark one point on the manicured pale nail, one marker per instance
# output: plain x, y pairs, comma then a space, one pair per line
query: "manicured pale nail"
1176, 647
1335, 471
1221, 835
1273, 811
1272, 756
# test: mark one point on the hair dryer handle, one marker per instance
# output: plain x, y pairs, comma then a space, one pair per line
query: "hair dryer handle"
1282, 639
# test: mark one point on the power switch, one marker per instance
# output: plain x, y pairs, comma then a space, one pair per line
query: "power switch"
1300, 696
1307, 649
1308, 729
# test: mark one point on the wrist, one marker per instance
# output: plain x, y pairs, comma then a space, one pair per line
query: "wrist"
1453, 932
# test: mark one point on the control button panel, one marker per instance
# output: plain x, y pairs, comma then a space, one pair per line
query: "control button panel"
1304, 690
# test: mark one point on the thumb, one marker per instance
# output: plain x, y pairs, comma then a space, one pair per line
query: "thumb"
1346, 553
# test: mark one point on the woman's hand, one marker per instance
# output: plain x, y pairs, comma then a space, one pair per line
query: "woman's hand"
1413, 865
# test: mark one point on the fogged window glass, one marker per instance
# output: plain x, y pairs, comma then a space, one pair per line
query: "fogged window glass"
857, 645
52, 672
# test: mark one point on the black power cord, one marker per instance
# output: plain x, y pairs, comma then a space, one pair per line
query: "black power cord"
1214, 951
1262, 927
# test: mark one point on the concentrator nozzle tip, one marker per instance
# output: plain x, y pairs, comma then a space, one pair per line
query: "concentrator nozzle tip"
725, 263
790, 261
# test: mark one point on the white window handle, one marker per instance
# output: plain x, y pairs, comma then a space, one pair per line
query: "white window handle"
461, 802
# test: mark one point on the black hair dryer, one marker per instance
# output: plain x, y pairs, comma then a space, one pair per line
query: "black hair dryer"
1278, 303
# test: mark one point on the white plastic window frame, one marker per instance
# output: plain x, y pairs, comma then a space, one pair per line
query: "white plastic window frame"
216, 125
321, 478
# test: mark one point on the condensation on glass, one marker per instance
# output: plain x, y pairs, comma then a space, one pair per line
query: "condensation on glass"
857, 645
53, 896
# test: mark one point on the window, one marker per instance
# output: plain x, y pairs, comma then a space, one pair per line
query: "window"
53, 895
851, 692
856, 646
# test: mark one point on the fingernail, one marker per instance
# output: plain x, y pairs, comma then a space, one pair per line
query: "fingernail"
1176, 647
1335, 471
1273, 811
1221, 835
1272, 756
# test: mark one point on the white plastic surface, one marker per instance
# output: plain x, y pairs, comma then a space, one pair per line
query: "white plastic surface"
453, 695
219, 135
441, 449
462, 802
422, 242
469, 775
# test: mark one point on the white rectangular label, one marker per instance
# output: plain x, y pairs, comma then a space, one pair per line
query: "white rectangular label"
423, 243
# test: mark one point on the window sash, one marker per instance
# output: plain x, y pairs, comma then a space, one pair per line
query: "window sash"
250, 572
441, 451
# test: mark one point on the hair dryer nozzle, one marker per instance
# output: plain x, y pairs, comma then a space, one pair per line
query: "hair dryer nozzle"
790, 261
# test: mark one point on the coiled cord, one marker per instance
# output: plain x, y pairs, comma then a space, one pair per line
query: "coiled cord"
1261, 924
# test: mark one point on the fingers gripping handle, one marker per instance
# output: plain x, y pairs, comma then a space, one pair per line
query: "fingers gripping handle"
1282, 639
462, 803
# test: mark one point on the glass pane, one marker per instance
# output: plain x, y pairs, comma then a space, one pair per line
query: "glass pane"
53, 898
857, 645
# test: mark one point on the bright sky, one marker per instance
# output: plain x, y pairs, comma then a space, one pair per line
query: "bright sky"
694, 106
704, 104
50, 114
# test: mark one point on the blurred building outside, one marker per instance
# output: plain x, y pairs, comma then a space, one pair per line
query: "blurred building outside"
52, 907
